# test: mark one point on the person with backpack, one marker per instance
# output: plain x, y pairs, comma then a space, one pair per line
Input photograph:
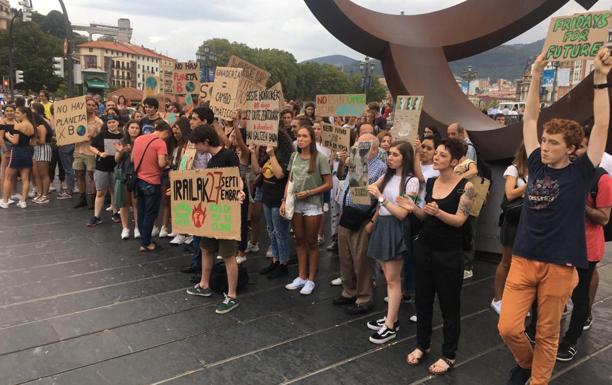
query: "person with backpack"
550, 242
42, 154
438, 254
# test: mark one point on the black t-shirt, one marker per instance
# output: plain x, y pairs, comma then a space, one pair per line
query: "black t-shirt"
147, 125
224, 158
551, 228
273, 188
104, 140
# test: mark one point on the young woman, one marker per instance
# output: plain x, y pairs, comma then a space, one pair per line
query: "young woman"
385, 139
122, 103
388, 244
427, 151
42, 154
309, 111
5, 145
439, 254
20, 158
123, 198
514, 189
102, 145
137, 115
311, 177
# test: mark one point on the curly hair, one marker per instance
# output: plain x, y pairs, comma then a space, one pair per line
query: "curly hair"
571, 130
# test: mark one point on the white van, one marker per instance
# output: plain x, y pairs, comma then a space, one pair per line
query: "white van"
510, 105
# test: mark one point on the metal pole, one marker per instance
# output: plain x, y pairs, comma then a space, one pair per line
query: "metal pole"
69, 58
11, 60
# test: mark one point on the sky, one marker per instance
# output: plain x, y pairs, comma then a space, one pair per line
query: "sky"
176, 28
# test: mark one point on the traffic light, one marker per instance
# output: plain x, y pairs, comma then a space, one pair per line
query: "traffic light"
58, 66
18, 76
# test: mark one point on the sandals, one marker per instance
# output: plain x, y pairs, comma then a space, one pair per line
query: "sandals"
148, 249
417, 360
450, 365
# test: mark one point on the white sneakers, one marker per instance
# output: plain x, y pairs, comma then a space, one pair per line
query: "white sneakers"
136, 233
125, 233
299, 283
22, 204
178, 240
163, 232
4, 204
336, 282
269, 253
241, 259
252, 247
155, 232
496, 305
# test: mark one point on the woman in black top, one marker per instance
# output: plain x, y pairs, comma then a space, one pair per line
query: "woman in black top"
42, 154
438, 253
123, 198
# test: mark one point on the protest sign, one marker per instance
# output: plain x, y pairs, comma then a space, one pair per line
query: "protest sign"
406, 118
358, 182
205, 202
578, 36
336, 138
205, 92
171, 118
340, 105
152, 86
244, 88
70, 121
281, 97
262, 117
186, 78
225, 89
250, 71
481, 189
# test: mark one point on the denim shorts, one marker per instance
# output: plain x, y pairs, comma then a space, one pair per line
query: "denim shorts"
307, 209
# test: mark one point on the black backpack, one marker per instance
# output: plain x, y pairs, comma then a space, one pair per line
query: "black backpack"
218, 278
599, 172
484, 169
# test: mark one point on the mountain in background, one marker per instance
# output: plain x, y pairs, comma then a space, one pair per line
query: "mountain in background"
503, 62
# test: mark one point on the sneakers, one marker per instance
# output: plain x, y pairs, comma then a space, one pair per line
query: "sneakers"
297, 283
36, 198
413, 318
125, 233
188, 240
94, 221
379, 323
280, 271
178, 240
405, 299
155, 232
336, 282
269, 253
64, 195
308, 288
359, 308
4, 204
116, 217
320, 240
588, 323
496, 305
227, 305
566, 352
519, 376
383, 335
240, 259
109, 208
333, 246
32, 194
268, 269
163, 232
198, 291
467, 274
136, 233
22, 205
16, 197
252, 247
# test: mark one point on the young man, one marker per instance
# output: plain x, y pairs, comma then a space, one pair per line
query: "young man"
151, 106
545, 254
206, 140
84, 160
149, 155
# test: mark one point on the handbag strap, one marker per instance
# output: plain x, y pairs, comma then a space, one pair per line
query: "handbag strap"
143, 154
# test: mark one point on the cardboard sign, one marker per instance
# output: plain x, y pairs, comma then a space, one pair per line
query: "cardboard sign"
225, 90
358, 182
406, 118
250, 71
244, 88
205, 202
340, 105
336, 138
578, 36
481, 187
278, 87
186, 78
70, 121
152, 86
262, 115
205, 92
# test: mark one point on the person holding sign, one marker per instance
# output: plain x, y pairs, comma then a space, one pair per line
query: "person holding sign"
20, 159
84, 160
546, 254
311, 177
206, 140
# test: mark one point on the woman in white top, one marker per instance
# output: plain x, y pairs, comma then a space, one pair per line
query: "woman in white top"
514, 189
389, 244
428, 149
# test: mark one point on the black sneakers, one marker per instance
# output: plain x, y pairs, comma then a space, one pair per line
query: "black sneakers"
588, 323
566, 352
383, 335
268, 269
279, 271
94, 221
519, 376
379, 323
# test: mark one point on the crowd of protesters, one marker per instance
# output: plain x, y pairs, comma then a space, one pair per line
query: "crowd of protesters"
417, 231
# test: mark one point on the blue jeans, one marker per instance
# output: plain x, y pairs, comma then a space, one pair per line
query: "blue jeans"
66, 156
278, 232
196, 260
149, 200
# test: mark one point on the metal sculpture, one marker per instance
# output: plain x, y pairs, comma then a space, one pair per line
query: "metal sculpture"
415, 51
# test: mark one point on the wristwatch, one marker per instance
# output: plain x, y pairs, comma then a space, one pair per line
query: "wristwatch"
381, 200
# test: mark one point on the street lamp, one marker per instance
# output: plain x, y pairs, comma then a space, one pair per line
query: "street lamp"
367, 69
469, 75
68, 51
11, 54
207, 59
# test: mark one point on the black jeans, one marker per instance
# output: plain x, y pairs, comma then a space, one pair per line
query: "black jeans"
149, 201
441, 273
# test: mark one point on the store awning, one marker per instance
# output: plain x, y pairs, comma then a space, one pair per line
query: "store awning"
96, 83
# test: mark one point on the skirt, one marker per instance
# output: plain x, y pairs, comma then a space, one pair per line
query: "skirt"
389, 240
507, 234
20, 157
42, 153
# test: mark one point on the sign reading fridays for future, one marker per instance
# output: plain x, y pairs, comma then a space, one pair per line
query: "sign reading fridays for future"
262, 110
70, 120
205, 202
340, 104
186, 78
578, 36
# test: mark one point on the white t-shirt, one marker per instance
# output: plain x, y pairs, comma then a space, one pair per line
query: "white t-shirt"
392, 190
606, 162
323, 150
428, 172
513, 171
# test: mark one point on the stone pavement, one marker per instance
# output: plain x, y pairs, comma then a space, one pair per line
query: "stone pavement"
79, 306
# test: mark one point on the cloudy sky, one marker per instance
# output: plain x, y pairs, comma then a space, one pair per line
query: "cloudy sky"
176, 28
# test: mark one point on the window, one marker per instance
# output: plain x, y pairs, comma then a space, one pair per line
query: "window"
91, 50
